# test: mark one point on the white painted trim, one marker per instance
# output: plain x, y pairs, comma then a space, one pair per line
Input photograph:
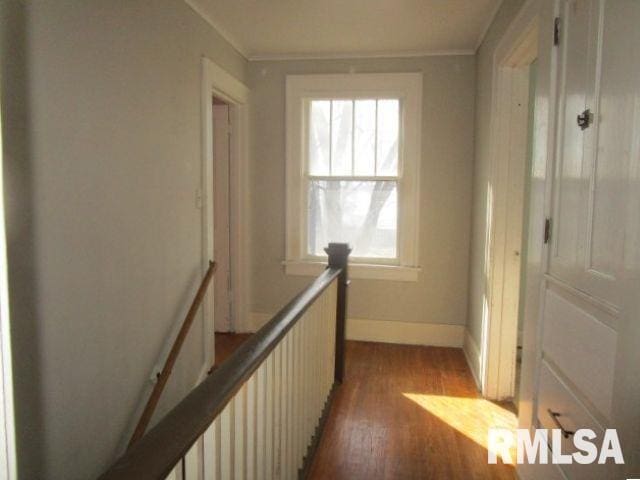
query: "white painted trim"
407, 87
218, 82
472, 354
499, 343
391, 331
487, 25
8, 458
258, 57
237, 46
365, 271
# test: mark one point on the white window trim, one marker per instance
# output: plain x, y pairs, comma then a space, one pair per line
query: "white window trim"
408, 88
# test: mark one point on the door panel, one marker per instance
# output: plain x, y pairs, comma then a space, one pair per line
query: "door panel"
571, 174
588, 239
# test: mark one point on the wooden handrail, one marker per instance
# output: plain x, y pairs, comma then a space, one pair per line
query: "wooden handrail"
163, 376
155, 455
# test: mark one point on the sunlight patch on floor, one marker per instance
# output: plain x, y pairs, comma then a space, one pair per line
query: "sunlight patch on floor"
470, 416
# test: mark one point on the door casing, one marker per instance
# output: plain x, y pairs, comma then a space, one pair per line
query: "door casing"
217, 82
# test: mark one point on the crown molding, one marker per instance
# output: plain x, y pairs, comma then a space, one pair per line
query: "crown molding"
355, 56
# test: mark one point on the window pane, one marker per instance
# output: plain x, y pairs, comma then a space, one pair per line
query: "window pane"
341, 137
388, 128
361, 213
319, 137
365, 137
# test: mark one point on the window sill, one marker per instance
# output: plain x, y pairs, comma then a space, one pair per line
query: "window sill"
356, 270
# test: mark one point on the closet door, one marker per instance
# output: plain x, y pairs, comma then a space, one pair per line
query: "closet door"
589, 308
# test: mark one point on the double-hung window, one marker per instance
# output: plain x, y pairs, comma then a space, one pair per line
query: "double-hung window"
353, 153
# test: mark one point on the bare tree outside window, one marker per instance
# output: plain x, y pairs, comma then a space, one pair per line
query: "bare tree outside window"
353, 175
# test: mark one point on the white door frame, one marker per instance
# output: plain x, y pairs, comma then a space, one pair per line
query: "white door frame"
8, 457
219, 83
516, 50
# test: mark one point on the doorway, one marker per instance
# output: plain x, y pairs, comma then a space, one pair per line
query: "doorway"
223, 300
224, 202
512, 138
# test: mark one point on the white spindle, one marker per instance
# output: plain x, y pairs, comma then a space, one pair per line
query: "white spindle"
303, 391
192, 463
317, 374
226, 442
282, 460
210, 456
268, 471
308, 380
239, 432
288, 470
251, 428
297, 401
261, 419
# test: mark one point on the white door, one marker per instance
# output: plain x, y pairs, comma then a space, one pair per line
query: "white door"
589, 306
221, 246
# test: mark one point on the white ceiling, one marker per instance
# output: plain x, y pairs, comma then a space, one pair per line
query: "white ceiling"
342, 28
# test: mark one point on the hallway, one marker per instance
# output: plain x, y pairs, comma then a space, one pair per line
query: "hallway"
409, 412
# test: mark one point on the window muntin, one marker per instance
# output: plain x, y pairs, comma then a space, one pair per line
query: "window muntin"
309, 162
353, 161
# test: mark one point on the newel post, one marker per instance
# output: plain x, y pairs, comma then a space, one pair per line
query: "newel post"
339, 258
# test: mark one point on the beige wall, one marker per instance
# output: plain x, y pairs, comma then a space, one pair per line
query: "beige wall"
101, 132
440, 295
484, 73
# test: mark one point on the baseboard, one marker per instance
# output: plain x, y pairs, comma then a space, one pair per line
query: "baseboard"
390, 331
407, 333
472, 353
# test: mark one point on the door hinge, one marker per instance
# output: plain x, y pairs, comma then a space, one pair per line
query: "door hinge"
585, 119
556, 31
547, 230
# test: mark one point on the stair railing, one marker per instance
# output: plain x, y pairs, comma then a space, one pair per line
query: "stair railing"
261, 413
169, 363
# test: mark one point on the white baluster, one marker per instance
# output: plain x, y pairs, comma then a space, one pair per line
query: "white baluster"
192, 462
283, 406
299, 393
268, 471
317, 379
251, 426
277, 407
261, 420
310, 373
210, 452
227, 442
239, 433
289, 471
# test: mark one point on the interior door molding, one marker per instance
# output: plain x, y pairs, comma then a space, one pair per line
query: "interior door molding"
517, 49
219, 83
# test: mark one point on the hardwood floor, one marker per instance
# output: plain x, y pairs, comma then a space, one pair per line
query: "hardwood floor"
226, 343
404, 412
408, 412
